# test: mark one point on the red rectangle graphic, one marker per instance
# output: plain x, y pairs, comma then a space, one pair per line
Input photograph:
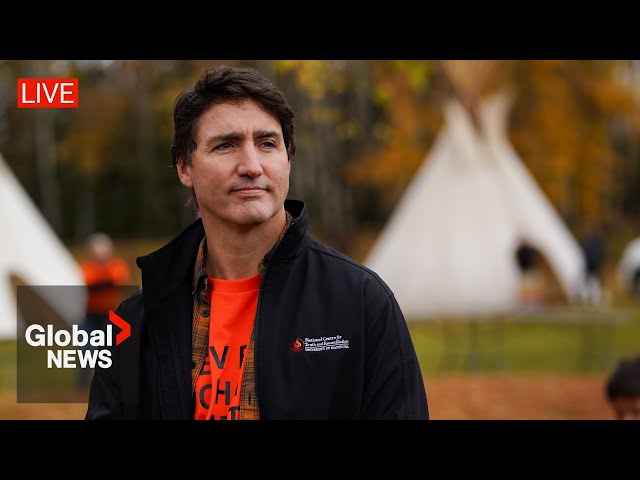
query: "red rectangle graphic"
47, 93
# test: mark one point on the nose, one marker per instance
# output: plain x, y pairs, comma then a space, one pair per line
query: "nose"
249, 162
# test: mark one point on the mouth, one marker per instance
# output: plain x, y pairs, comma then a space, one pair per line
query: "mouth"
251, 191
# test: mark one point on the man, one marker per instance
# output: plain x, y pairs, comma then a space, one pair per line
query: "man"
244, 315
623, 389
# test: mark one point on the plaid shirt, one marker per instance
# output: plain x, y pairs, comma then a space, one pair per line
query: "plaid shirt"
249, 409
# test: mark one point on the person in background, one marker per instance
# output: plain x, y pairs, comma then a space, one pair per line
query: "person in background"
531, 292
104, 275
593, 247
623, 389
244, 315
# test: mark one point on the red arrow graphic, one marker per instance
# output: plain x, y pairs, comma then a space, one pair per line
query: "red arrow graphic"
126, 328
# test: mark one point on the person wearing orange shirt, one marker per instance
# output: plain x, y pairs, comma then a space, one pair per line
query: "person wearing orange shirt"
104, 275
244, 315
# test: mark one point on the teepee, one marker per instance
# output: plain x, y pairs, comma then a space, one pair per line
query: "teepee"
449, 246
31, 254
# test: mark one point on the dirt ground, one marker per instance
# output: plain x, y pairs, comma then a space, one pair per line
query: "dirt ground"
455, 397
518, 397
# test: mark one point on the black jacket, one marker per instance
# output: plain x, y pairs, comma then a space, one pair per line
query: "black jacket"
331, 341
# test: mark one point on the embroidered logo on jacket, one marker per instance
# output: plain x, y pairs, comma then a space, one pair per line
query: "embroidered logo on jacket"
297, 345
319, 344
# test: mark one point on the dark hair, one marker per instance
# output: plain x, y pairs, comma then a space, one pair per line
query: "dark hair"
220, 85
625, 379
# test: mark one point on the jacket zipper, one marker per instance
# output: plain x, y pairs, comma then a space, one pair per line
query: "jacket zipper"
256, 320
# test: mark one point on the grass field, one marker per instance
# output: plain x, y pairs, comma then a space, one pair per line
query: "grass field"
567, 340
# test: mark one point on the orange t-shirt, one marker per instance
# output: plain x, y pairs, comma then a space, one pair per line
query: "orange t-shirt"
233, 309
104, 281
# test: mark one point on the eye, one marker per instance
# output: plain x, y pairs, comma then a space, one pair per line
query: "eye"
223, 146
268, 144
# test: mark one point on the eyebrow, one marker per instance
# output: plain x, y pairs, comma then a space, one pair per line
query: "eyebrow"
238, 135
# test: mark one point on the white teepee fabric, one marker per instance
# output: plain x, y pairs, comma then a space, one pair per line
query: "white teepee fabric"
449, 246
31, 251
629, 266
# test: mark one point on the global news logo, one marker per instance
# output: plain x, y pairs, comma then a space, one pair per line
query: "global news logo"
37, 335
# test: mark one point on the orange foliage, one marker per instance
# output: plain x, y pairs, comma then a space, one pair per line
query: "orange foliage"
561, 124
401, 142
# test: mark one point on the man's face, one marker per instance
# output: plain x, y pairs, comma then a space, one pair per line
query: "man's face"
626, 407
239, 169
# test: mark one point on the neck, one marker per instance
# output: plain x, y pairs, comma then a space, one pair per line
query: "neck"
234, 252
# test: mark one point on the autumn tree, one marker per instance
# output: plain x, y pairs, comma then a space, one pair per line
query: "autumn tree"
565, 123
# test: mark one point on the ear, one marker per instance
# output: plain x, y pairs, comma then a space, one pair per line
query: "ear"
184, 173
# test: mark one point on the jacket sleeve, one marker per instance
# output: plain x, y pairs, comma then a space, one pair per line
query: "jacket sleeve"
394, 386
104, 395
109, 385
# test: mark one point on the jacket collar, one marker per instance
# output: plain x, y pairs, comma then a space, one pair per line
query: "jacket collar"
166, 269
166, 286
295, 241
167, 276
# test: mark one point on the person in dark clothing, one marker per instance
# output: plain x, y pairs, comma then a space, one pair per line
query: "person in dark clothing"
593, 247
623, 389
531, 292
244, 315
525, 256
